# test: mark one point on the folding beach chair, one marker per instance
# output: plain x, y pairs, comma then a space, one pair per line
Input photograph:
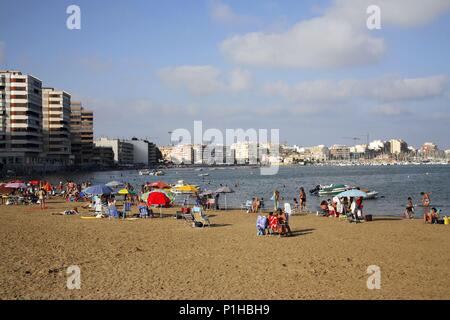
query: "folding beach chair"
188, 218
126, 208
247, 205
112, 212
200, 217
143, 212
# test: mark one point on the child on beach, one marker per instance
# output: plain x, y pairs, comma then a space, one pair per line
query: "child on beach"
261, 225
409, 212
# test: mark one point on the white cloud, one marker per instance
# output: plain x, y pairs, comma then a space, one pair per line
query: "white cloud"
380, 89
199, 80
391, 111
240, 80
339, 38
223, 13
205, 80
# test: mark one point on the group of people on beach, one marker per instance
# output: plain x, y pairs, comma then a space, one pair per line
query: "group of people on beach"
274, 223
430, 214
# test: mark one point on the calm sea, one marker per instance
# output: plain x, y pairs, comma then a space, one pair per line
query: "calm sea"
394, 183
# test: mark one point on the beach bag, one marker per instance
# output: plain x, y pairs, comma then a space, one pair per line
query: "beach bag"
198, 224
368, 217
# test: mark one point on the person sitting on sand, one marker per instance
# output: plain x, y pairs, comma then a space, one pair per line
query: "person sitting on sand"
324, 207
273, 222
409, 212
295, 204
283, 221
432, 216
67, 212
331, 209
261, 225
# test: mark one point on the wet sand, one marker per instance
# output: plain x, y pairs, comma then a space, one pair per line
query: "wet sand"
167, 259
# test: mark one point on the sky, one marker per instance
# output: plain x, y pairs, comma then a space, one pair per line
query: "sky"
312, 69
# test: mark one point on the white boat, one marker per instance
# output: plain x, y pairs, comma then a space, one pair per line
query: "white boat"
144, 172
203, 174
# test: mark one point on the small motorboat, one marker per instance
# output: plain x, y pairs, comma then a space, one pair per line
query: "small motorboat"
144, 172
203, 174
332, 189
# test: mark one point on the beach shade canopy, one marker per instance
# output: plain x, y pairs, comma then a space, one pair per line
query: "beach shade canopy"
185, 189
126, 191
34, 182
354, 193
115, 184
224, 190
98, 189
5, 190
15, 185
157, 198
159, 185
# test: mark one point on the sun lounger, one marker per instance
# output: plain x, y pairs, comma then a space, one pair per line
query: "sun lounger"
198, 217
247, 205
188, 218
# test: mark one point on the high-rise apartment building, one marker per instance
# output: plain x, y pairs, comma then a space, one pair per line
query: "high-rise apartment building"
20, 119
82, 134
56, 126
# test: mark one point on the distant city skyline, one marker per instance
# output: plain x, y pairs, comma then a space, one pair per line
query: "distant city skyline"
309, 68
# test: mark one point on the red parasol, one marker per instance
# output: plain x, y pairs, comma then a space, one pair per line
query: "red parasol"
159, 185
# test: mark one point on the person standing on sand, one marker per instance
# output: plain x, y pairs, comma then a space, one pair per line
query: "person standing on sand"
276, 200
426, 201
409, 212
41, 195
302, 197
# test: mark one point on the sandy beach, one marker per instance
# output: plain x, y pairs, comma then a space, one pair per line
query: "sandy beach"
167, 259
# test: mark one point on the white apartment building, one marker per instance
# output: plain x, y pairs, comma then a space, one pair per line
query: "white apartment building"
56, 126
182, 154
20, 119
143, 152
398, 146
246, 152
123, 150
319, 153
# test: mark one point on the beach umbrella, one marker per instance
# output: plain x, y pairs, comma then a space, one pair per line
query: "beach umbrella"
34, 182
156, 198
123, 191
98, 189
159, 185
224, 190
354, 193
15, 185
115, 184
186, 189
5, 190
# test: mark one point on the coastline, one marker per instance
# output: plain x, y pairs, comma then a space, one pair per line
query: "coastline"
167, 259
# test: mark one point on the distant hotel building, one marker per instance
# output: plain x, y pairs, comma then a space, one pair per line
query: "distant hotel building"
20, 119
144, 152
82, 134
398, 146
123, 150
339, 152
56, 126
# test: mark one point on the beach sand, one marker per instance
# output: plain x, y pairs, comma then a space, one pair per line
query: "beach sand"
167, 259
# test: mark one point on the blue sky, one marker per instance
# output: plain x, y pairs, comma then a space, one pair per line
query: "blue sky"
309, 68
